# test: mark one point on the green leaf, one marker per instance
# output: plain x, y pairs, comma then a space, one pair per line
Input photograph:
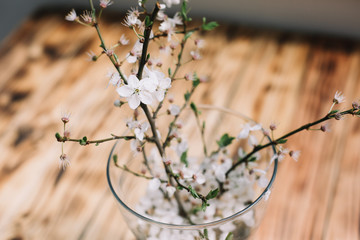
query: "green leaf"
196, 80
194, 108
333, 111
184, 11
148, 23
188, 34
179, 187
169, 71
193, 192
187, 96
58, 137
281, 141
206, 234
230, 236
97, 144
83, 141
252, 159
225, 140
115, 158
183, 158
212, 194
204, 205
209, 26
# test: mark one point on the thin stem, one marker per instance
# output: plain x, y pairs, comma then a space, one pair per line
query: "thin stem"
125, 168
172, 124
284, 137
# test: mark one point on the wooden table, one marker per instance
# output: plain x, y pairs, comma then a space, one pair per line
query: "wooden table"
271, 76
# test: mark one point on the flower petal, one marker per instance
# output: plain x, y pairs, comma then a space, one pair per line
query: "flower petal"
125, 91
133, 82
145, 97
134, 101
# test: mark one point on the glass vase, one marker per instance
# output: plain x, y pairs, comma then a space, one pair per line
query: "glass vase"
235, 219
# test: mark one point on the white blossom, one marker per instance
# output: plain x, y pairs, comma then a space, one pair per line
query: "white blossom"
170, 190
105, 3
115, 78
64, 161
295, 155
174, 109
137, 91
195, 55
247, 128
338, 98
169, 3
140, 130
123, 40
154, 184
71, 16
169, 24
162, 83
133, 55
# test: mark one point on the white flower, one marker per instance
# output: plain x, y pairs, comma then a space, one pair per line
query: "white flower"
170, 190
64, 161
87, 17
295, 155
161, 81
105, 3
123, 40
140, 130
115, 78
199, 178
169, 3
246, 129
71, 16
91, 56
168, 25
154, 184
200, 43
338, 98
174, 109
135, 52
131, 21
182, 147
195, 55
137, 91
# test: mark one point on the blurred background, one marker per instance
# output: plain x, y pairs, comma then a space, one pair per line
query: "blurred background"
322, 16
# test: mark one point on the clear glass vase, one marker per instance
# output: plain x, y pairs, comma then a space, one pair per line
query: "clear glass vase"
233, 219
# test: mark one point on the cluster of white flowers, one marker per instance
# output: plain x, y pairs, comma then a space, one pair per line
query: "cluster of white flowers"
147, 90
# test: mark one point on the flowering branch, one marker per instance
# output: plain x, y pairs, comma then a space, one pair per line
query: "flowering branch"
335, 114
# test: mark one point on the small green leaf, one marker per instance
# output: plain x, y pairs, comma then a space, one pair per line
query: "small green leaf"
179, 187
184, 11
97, 144
194, 108
169, 71
333, 111
212, 194
187, 96
115, 158
225, 140
193, 192
281, 141
183, 158
206, 234
188, 34
204, 205
252, 159
230, 236
209, 26
147, 21
58, 137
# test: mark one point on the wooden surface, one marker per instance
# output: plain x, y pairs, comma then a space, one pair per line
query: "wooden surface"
271, 76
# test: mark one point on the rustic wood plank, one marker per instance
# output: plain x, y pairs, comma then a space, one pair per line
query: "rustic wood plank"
271, 76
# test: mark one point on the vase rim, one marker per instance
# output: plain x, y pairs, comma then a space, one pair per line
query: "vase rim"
193, 226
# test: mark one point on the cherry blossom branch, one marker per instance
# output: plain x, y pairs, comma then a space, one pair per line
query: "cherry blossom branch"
331, 115
85, 141
127, 169
102, 43
172, 124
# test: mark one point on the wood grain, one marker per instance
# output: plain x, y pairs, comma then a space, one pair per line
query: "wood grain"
272, 76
